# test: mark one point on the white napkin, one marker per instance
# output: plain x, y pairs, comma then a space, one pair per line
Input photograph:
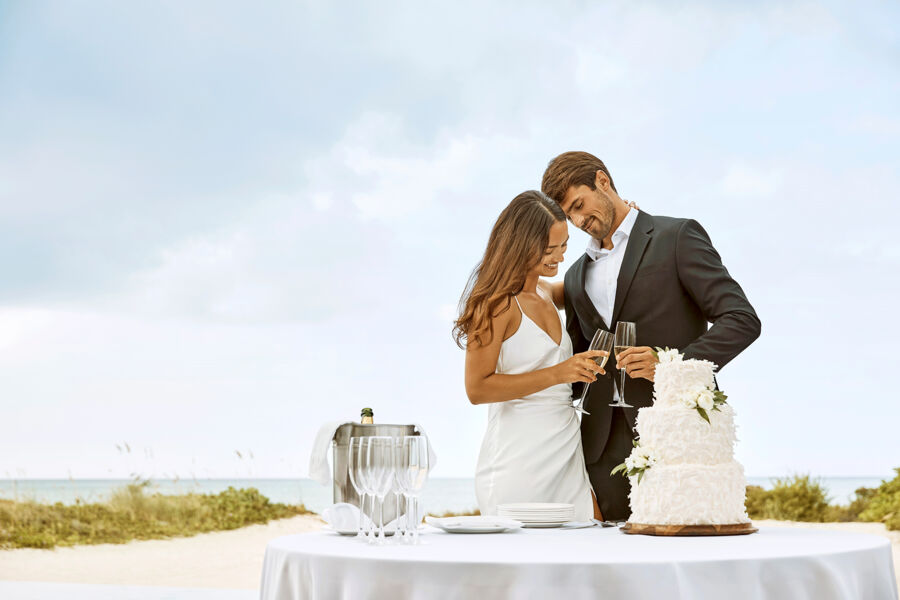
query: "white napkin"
342, 517
345, 517
321, 450
432, 457
319, 469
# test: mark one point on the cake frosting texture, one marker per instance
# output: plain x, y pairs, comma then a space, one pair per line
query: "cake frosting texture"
693, 478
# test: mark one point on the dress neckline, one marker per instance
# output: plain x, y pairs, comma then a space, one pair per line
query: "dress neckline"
562, 329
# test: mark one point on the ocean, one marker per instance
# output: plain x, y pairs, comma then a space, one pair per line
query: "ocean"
440, 495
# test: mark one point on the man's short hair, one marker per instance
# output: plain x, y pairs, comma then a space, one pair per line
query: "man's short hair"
572, 169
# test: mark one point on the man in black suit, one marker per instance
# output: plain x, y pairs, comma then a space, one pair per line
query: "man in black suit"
661, 273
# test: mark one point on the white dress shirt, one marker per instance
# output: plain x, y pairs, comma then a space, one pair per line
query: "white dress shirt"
602, 271
602, 275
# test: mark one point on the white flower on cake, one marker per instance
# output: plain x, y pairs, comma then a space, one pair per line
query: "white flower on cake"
702, 395
689, 400
668, 355
637, 462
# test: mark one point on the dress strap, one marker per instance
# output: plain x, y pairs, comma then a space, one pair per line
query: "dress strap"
516, 298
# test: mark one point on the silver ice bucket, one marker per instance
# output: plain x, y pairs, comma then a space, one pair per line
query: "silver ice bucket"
340, 455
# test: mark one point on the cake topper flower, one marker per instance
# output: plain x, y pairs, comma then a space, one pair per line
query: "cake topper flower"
637, 462
704, 400
668, 355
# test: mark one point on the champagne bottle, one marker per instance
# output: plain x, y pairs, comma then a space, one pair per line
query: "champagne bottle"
367, 416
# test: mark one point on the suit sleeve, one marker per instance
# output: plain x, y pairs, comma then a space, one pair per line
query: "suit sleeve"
719, 297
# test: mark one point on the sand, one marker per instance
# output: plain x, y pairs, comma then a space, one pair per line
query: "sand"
222, 559
225, 559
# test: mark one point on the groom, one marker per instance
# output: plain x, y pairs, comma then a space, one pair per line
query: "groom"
661, 273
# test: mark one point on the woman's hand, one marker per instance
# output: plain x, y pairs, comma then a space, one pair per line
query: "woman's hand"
581, 367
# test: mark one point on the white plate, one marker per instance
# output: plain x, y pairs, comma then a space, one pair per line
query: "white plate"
536, 506
387, 532
530, 521
537, 525
540, 518
522, 512
536, 512
578, 525
473, 524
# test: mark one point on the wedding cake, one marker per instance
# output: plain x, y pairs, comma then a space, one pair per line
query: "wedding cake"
682, 469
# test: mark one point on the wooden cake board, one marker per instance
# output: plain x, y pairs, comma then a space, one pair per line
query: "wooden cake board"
689, 530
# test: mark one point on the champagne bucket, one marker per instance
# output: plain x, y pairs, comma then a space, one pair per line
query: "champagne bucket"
340, 448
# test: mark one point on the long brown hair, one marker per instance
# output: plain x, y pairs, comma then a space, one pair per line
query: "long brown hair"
516, 244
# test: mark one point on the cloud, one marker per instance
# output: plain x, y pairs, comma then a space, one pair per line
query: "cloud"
262, 215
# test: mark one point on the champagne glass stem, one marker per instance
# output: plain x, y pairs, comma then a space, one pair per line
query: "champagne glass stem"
415, 500
371, 517
381, 517
583, 394
622, 387
375, 539
413, 526
371, 524
397, 531
579, 406
410, 526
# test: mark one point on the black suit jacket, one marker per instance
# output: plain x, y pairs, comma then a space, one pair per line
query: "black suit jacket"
672, 283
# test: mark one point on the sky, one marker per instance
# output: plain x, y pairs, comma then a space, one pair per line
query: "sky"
223, 224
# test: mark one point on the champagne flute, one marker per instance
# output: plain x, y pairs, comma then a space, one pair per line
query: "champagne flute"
354, 465
381, 454
364, 479
415, 450
602, 340
401, 464
626, 334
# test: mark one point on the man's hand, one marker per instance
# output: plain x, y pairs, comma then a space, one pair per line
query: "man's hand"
638, 361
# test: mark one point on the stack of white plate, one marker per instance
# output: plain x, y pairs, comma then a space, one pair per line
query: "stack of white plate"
538, 514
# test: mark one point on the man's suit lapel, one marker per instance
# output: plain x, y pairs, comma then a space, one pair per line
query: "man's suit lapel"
582, 302
634, 252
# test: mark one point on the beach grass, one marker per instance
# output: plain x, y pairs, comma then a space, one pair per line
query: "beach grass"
804, 498
133, 514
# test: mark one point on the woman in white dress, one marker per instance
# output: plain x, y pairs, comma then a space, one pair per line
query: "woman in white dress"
519, 361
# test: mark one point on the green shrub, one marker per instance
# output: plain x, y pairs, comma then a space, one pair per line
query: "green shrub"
797, 498
755, 501
132, 514
884, 504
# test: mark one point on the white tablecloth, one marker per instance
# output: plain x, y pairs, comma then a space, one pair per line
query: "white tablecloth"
776, 563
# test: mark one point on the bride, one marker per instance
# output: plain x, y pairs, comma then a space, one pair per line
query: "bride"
519, 361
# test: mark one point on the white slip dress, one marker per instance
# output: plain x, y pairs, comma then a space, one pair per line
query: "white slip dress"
532, 448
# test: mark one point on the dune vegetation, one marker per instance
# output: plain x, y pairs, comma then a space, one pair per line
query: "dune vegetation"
133, 514
803, 498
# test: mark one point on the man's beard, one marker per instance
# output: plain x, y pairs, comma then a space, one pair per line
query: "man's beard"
605, 225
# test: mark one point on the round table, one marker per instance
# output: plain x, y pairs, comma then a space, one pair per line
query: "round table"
590, 563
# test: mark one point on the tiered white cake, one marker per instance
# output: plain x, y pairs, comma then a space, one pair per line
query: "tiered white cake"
692, 477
